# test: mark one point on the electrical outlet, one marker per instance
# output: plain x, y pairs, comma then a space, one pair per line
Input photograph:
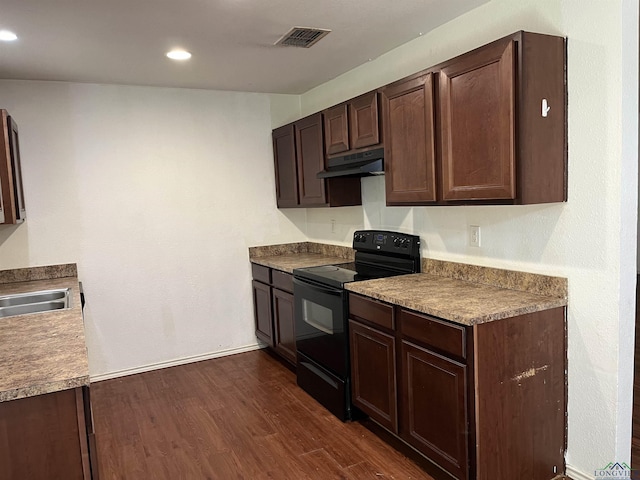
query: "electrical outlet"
333, 226
474, 236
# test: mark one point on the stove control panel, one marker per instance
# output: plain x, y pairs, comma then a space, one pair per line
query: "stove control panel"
387, 242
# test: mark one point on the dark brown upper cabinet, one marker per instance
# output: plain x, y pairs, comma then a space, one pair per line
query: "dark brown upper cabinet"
352, 125
364, 125
499, 131
477, 99
336, 127
284, 153
12, 207
310, 156
408, 119
298, 150
503, 122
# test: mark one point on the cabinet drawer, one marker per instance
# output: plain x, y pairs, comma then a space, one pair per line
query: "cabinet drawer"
260, 273
282, 280
372, 311
436, 333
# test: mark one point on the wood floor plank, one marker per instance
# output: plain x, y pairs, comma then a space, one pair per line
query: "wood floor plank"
240, 417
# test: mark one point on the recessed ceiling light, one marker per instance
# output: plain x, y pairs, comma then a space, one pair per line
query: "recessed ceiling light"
7, 36
179, 55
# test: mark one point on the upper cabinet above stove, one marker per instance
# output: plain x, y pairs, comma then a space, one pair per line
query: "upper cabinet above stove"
352, 125
298, 150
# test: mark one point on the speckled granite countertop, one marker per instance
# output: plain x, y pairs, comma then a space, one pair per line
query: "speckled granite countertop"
289, 256
42, 352
459, 292
289, 261
460, 301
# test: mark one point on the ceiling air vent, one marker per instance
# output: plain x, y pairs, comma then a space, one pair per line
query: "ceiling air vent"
302, 37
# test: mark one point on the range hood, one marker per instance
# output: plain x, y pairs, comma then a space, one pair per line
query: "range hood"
361, 164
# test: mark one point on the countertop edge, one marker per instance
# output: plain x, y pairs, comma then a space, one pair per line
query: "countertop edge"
43, 389
545, 303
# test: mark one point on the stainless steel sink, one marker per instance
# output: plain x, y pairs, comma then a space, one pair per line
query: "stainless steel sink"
34, 302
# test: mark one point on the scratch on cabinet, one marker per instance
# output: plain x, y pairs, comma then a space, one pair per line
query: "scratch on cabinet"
532, 372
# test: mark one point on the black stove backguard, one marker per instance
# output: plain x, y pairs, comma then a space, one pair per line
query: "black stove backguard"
321, 312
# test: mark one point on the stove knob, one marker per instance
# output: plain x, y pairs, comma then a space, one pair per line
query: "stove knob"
397, 242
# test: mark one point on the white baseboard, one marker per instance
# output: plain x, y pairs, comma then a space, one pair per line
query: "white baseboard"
176, 362
575, 474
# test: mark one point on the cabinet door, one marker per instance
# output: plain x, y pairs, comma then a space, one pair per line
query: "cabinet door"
407, 109
5, 169
262, 312
284, 154
310, 155
43, 437
284, 324
19, 212
363, 120
434, 402
477, 99
373, 374
336, 129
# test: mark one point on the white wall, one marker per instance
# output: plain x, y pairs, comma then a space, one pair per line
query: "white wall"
156, 194
591, 239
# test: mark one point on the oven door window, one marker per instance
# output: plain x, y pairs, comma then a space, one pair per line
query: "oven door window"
320, 325
320, 318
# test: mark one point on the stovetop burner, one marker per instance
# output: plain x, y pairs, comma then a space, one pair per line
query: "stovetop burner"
378, 254
334, 275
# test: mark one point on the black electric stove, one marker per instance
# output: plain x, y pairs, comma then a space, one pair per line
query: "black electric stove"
378, 254
321, 311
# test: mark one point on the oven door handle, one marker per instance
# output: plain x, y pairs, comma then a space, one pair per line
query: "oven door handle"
320, 374
318, 287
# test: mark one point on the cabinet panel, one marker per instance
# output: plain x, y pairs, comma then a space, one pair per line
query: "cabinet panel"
336, 129
542, 139
12, 206
262, 311
284, 324
373, 371
521, 395
477, 99
284, 154
310, 156
261, 273
408, 119
282, 280
371, 311
435, 333
363, 121
435, 408
41, 438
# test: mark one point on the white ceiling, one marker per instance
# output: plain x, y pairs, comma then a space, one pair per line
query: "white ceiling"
124, 41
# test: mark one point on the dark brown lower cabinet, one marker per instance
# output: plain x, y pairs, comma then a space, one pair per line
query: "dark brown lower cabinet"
373, 366
273, 310
434, 392
262, 312
481, 402
48, 436
284, 323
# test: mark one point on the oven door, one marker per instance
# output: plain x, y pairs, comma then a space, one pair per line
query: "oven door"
321, 319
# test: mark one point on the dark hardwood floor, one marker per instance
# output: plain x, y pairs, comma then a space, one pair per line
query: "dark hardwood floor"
237, 417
